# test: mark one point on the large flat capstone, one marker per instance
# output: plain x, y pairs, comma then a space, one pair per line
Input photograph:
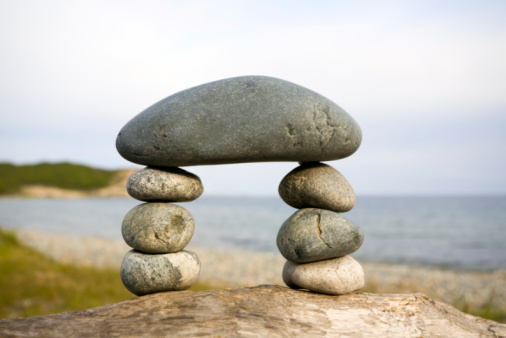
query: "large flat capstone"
242, 119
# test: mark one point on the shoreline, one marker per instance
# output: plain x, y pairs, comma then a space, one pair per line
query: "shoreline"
115, 188
223, 268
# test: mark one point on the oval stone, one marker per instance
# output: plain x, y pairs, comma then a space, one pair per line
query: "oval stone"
164, 184
311, 235
242, 119
158, 227
143, 273
336, 276
317, 185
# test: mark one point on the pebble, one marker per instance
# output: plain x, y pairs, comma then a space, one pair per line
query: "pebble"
143, 273
164, 184
158, 227
234, 268
236, 120
311, 235
317, 185
334, 277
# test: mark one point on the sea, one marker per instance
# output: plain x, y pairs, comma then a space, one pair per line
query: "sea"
448, 232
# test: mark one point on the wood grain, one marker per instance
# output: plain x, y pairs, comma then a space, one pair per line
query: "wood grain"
262, 311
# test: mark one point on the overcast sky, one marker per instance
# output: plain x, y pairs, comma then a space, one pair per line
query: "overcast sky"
425, 80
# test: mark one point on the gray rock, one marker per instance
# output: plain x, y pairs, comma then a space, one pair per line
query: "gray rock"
336, 276
317, 185
242, 119
158, 227
164, 184
143, 273
311, 235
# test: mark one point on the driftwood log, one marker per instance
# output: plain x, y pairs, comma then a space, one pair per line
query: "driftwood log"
262, 311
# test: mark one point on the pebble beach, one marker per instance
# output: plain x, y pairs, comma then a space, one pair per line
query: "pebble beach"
236, 268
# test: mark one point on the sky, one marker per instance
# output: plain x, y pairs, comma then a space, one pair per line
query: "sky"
425, 80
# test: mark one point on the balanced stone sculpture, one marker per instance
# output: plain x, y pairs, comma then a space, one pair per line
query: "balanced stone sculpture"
317, 239
237, 120
159, 231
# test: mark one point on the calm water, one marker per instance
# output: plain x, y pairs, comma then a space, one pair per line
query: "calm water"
462, 232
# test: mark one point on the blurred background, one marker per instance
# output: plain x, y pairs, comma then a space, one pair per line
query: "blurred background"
425, 80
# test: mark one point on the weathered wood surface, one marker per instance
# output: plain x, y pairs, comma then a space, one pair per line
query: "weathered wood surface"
262, 311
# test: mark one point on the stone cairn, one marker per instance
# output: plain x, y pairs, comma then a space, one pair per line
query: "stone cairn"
316, 240
158, 231
239, 120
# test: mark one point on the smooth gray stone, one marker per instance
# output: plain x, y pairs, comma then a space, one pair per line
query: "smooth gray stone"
336, 276
311, 235
317, 185
242, 119
164, 184
158, 227
143, 273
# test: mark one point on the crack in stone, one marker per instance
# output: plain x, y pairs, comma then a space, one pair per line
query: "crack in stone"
347, 138
158, 237
140, 155
319, 230
323, 126
290, 131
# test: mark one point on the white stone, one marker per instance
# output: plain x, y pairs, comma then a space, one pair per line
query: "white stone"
334, 276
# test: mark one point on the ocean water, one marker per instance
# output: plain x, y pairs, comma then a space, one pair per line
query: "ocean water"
452, 232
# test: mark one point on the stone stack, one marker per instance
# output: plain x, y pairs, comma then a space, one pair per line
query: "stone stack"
317, 239
158, 231
241, 120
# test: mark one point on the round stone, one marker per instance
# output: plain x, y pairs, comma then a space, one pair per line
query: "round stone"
164, 184
158, 227
144, 273
311, 235
334, 276
236, 120
317, 185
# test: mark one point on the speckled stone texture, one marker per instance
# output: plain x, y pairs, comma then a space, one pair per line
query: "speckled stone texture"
311, 235
143, 273
158, 227
242, 119
164, 184
317, 185
334, 276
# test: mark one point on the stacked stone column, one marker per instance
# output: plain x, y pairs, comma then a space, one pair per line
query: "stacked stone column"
158, 231
317, 240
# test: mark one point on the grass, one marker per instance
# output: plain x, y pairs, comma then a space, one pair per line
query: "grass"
33, 284
60, 175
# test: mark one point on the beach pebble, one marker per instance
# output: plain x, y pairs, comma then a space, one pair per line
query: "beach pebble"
334, 276
164, 184
241, 119
143, 273
158, 227
317, 185
311, 235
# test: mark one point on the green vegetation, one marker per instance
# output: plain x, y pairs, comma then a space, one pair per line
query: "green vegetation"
33, 284
61, 175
